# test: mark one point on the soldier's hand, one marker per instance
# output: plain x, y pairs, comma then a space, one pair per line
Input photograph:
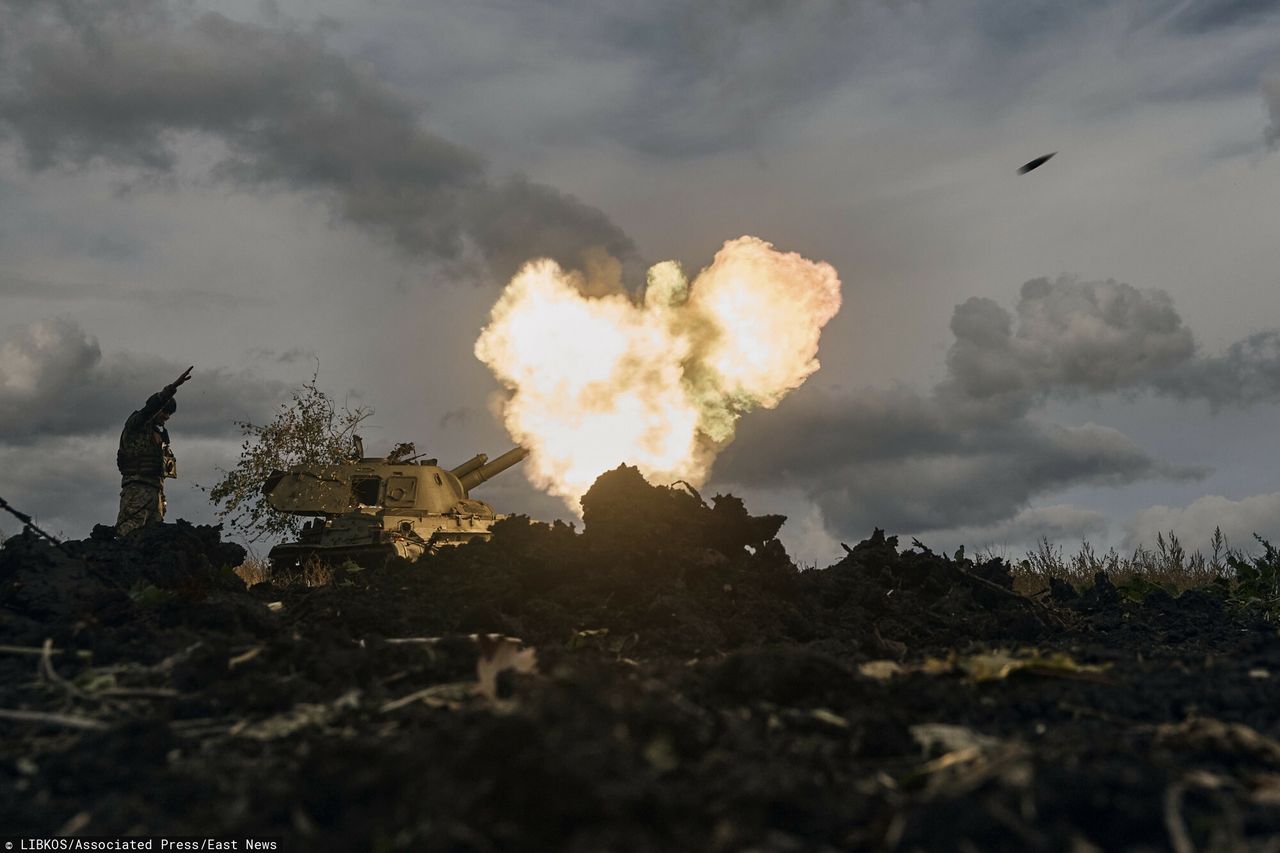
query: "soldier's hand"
186, 374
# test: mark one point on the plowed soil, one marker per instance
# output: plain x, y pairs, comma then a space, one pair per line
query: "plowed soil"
692, 690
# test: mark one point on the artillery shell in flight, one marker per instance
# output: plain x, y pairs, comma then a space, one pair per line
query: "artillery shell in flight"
1036, 163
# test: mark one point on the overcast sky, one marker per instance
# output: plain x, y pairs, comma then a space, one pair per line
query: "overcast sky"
1088, 350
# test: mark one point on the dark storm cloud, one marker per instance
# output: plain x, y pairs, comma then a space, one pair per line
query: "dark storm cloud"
914, 463
722, 70
670, 78
1271, 91
55, 291
293, 355
693, 79
971, 453
119, 82
1057, 523
1071, 337
1248, 373
1206, 15
70, 483
721, 75
729, 70
66, 484
55, 381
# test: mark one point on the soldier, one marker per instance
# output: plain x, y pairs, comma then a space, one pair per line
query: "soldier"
145, 460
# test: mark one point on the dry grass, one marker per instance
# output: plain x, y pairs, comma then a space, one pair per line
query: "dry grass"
313, 572
1168, 565
254, 570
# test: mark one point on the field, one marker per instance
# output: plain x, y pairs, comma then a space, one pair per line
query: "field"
665, 679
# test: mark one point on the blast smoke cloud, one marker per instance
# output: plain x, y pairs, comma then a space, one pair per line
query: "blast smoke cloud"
659, 383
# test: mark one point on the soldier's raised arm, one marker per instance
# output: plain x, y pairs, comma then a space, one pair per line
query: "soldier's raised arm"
156, 401
173, 386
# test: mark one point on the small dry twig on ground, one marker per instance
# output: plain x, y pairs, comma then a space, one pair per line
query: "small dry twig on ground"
48, 674
1042, 612
70, 721
498, 654
26, 650
138, 693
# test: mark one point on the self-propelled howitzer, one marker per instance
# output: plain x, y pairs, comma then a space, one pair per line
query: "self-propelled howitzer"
370, 509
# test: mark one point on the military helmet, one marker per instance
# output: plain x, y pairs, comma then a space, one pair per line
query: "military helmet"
170, 406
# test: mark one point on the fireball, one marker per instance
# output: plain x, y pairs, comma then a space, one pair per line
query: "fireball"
660, 381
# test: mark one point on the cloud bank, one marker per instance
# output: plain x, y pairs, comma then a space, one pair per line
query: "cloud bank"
971, 454
1271, 92
127, 83
1195, 523
55, 381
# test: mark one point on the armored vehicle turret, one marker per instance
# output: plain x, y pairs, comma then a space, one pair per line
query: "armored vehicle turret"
370, 509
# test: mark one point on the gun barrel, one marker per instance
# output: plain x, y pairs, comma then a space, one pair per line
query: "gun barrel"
478, 475
470, 465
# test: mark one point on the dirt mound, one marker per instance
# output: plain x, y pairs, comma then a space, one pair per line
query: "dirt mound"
102, 584
660, 572
691, 689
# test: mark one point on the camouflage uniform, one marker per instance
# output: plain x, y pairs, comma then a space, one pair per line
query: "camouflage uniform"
145, 461
140, 504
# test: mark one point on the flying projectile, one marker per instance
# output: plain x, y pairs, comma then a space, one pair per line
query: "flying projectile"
1036, 163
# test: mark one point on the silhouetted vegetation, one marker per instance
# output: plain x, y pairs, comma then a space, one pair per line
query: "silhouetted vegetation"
309, 429
1241, 578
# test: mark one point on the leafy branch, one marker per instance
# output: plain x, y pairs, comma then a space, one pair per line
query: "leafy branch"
309, 429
